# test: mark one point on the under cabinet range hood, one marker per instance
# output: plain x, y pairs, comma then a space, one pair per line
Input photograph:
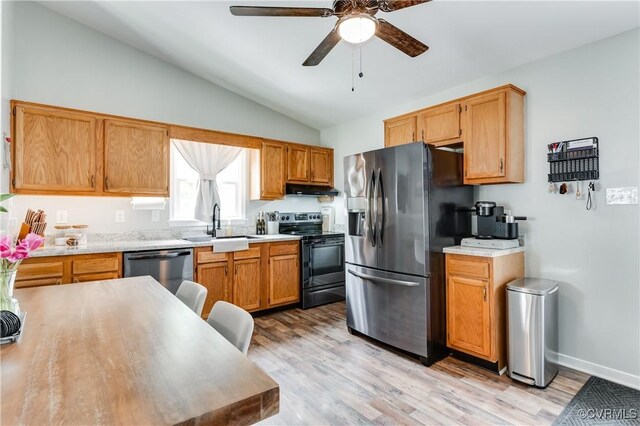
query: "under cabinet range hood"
310, 190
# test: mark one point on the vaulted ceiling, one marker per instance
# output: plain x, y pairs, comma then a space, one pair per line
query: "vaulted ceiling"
261, 58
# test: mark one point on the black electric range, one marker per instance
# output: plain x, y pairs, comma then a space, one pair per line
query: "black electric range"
322, 267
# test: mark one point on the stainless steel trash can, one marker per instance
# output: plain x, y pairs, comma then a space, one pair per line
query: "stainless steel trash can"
532, 330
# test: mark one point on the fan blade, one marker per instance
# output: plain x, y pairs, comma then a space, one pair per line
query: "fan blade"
280, 11
399, 39
323, 49
392, 5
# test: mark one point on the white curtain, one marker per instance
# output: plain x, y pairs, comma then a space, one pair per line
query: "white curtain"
208, 160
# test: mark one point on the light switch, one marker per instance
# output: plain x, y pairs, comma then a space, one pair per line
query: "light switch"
119, 216
627, 195
155, 215
61, 216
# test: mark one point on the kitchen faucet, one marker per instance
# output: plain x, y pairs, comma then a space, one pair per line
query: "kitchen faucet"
214, 227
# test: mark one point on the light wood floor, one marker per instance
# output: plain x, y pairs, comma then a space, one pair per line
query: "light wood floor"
328, 376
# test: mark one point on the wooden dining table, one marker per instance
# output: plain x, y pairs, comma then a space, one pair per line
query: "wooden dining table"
126, 352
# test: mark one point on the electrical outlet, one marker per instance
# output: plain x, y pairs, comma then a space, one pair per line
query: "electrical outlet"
61, 216
155, 215
119, 216
622, 195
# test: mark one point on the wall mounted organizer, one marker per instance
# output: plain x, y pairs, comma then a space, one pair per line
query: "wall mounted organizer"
571, 160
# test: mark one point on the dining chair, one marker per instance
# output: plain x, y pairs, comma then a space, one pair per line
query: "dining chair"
234, 323
193, 295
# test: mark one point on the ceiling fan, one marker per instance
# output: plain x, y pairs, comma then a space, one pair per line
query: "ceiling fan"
356, 24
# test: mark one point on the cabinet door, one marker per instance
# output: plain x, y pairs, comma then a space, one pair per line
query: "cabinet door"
297, 164
400, 131
136, 159
284, 279
246, 284
54, 151
440, 124
321, 166
214, 277
485, 136
468, 325
272, 172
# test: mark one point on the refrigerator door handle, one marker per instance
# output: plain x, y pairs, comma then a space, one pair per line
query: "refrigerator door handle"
373, 221
383, 280
382, 207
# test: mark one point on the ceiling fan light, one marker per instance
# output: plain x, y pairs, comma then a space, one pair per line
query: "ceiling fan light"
356, 29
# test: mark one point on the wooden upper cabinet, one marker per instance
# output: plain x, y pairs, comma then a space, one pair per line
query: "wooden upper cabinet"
268, 171
297, 164
321, 166
399, 131
136, 158
468, 325
440, 125
54, 151
494, 137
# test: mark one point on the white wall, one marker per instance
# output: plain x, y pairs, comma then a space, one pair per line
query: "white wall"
590, 91
59, 61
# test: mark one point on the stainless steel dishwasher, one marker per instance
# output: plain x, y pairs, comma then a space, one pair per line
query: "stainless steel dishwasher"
169, 267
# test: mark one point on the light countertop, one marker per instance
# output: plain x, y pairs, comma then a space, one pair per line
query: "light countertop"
139, 245
482, 252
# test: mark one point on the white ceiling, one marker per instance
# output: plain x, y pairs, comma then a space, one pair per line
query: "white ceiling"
261, 58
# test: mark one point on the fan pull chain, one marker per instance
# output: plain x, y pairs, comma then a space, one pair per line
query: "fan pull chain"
361, 73
353, 83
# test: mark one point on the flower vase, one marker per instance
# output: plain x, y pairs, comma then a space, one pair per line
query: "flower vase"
7, 301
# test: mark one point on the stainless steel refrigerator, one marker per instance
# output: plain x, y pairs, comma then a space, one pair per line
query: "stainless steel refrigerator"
404, 205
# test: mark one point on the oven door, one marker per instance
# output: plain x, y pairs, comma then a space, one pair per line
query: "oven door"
323, 262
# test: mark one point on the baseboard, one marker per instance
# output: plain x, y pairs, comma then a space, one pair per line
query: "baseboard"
599, 370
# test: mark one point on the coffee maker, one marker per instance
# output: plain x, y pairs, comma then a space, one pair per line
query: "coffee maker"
494, 224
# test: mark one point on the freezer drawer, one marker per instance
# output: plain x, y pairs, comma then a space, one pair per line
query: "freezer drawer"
388, 307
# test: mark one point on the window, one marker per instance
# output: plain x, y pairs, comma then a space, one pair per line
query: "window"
232, 187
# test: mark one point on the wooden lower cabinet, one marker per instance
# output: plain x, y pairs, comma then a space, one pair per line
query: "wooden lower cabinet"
266, 275
284, 279
215, 277
54, 270
476, 307
247, 284
469, 322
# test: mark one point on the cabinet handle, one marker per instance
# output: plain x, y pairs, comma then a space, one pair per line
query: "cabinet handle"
226, 271
59, 281
423, 134
93, 181
106, 183
484, 293
76, 280
501, 165
413, 136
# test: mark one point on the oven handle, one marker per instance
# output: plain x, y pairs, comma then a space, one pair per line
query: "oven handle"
326, 245
383, 280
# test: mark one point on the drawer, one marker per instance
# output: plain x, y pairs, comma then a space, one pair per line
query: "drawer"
466, 266
38, 282
209, 256
96, 264
278, 249
253, 252
95, 277
40, 270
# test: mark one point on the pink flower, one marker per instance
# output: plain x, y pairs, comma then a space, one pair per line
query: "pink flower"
18, 254
5, 246
31, 242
